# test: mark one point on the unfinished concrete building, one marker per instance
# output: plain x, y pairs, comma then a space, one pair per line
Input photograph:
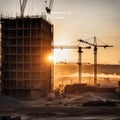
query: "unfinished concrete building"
26, 45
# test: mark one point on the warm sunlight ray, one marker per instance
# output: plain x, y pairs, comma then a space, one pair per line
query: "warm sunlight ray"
50, 58
65, 55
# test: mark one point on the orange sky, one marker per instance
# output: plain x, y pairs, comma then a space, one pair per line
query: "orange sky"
78, 19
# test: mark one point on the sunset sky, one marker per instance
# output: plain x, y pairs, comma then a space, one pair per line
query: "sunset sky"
78, 19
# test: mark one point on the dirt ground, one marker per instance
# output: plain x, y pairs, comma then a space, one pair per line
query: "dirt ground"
67, 107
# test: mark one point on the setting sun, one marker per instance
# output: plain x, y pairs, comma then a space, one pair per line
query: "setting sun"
50, 57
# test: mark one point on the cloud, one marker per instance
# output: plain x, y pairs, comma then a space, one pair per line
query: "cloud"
59, 18
61, 15
64, 13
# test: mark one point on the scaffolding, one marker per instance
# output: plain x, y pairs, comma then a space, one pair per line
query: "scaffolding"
26, 43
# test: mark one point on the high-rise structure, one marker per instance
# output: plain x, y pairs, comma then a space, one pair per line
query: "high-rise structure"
26, 45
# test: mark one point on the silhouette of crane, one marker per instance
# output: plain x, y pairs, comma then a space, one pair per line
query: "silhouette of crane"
95, 55
22, 7
79, 57
48, 9
24, 2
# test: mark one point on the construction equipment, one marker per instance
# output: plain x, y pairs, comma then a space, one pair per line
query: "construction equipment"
95, 55
79, 57
22, 7
24, 2
48, 9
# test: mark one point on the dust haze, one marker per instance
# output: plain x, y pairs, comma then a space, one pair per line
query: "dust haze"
68, 74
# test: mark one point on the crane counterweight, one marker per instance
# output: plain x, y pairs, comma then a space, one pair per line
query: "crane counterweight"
48, 9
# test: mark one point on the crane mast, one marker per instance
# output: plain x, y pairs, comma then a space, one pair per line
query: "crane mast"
22, 7
79, 57
95, 55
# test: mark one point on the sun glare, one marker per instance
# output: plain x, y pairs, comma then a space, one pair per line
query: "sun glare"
50, 57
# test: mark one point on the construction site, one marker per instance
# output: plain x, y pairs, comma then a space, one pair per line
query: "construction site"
28, 83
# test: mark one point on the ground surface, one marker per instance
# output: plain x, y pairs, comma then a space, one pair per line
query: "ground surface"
68, 107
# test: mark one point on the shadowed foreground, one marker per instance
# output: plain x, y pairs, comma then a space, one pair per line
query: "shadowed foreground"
68, 107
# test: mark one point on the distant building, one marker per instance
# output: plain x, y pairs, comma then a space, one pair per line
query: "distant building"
26, 45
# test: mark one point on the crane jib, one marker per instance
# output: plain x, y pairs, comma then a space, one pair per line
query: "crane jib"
86, 42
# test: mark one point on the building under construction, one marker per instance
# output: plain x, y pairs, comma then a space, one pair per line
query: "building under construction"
26, 45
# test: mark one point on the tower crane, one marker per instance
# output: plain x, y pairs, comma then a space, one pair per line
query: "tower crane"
48, 9
79, 56
22, 7
95, 55
24, 2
